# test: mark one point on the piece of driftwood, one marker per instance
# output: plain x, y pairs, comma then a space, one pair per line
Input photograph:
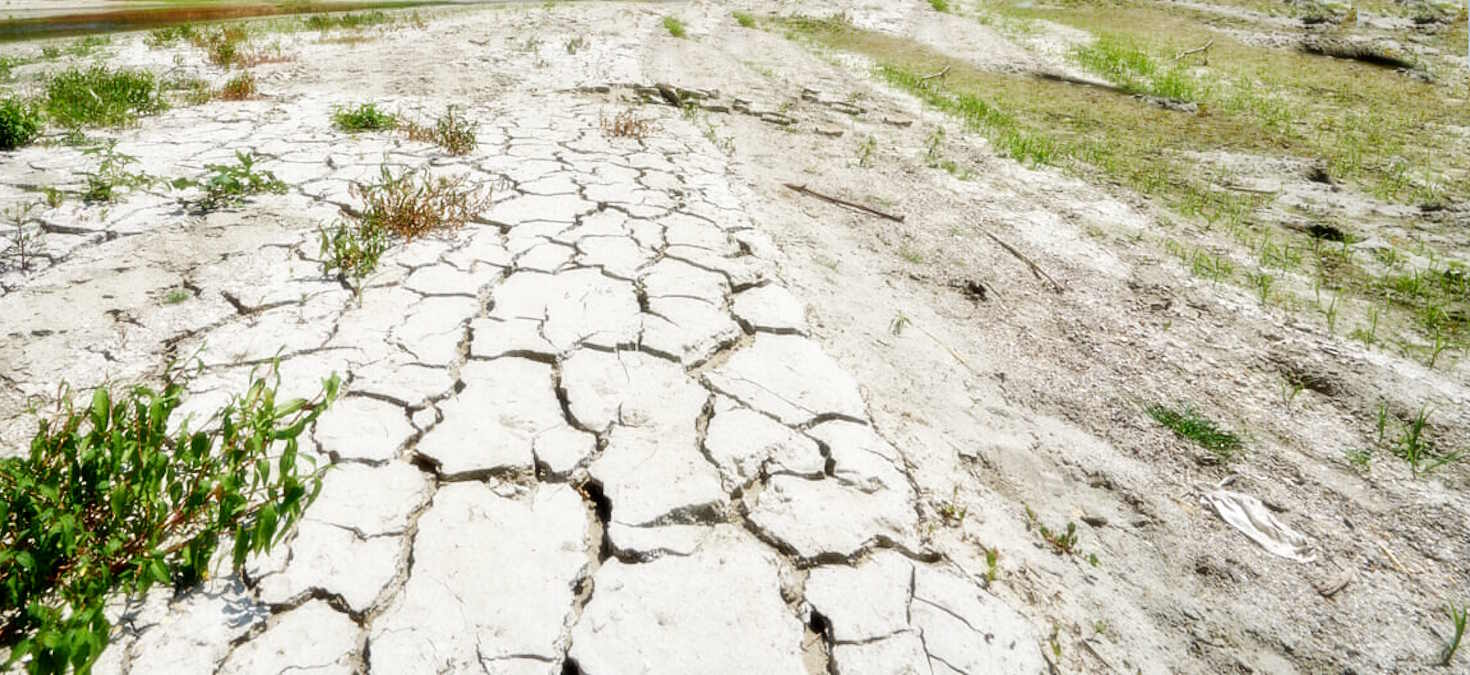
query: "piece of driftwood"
1196, 50
931, 76
843, 202
1036, 270
1355, 51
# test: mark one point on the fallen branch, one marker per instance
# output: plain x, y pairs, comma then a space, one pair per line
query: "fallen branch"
843, 202
1036, 270
941, 73
1196, 50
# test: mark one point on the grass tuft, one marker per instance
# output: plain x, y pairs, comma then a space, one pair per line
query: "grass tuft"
1189, 424
451, 131
100, 96
20, 122
745, 19
364, 117
674, 26
238, 88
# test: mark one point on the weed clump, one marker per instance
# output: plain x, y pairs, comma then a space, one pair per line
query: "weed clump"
109, 499
112, 174
20, 122
627, 124
451, 131
1189, 424
403, 207
364, 117
100, 96
745, 19
238, 88
674, 26
228, 185
167, 36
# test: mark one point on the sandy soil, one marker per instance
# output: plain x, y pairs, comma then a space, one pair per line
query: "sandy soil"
1021, 399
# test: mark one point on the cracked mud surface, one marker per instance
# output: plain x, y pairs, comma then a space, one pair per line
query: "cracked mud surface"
587, 433
653, 412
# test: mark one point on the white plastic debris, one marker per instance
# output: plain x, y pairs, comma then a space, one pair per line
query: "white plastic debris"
1252, 518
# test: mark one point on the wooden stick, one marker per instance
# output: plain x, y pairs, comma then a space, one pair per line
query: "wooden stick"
941, 73
1196, 50
843, 202
1036, 270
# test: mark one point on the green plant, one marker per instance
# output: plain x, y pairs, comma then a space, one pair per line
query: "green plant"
23, 244
952, 511
674, 26
230, 184
451, 131
1188, 424
49, 52
577, 44
100, 96
110, 499
992, 564
1413, 446
176, 296
20, 122
745, 19
865, 152
54, 196
1457, 617
112, 173
939, 5
351, 249
169, 35
222, 46
239, 87
1061, 542
363, 117
1360, 458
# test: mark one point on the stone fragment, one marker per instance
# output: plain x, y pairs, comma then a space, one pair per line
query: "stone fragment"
969, 630
827, 519
770, 308
716, 611
743, 441
333, 559
789, 377
863, 602
652, 468
491, 424
357, 427
577, 306
311, 638
492, 580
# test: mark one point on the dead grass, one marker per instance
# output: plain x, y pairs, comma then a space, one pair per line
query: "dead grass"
627, 124
414, 204
238, 88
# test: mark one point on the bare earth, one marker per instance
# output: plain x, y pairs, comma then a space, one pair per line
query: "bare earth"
659, 413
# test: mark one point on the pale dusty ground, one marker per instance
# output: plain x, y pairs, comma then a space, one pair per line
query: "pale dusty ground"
597, 429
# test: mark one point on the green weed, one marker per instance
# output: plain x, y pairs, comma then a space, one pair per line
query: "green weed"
168, 36
939, 5
20, 122
577, 44
1188, 424
228, 185
25, 243
176, 296
109, 500
674, 26
100, 96
238, 88
451, 131
745, 19
363, 117
1457, 617
865, 152
112, 174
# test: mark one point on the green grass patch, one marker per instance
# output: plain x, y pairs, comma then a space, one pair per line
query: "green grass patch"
745, 19
939, 5
363, 117
100, 96
20, 122
1188, 424
674, 26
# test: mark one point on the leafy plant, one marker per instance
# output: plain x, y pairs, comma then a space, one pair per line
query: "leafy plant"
865, 152
351, 250
364, 117
110, 500
222, 46
939, 5
229, 184
577, 44
176, 296
112, 173
20, 122
169, 35
100, 96
1189, 424
451, 131
674, 26
239, 87
745, 19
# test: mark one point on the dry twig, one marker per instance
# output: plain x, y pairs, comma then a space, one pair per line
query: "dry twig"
843, 202
1196, 50
1036, 270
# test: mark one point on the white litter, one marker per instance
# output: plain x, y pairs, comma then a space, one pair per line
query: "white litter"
1252, 518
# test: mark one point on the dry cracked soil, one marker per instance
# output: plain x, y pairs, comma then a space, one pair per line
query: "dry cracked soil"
653, 411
